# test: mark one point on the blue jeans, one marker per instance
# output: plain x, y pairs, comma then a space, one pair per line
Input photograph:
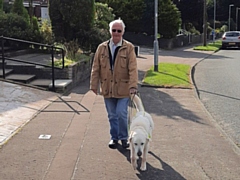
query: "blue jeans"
117, 109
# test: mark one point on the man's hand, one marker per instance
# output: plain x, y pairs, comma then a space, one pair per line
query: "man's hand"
95, 91
133, 91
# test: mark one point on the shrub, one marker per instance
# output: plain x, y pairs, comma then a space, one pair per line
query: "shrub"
129, 11
46, 32
36, 32
71, 48
15, 26
169, 19
20, 10
103, 16
97, 36
224, 28
69, 26
12, 25
1, 5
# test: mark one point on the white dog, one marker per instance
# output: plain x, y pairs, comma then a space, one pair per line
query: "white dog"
140, 133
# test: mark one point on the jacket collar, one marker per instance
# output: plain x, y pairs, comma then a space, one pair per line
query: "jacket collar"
118, 44
124, 43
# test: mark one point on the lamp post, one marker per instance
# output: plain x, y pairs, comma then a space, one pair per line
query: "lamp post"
237, 18
229, 28
156, 34
214, 19
204, 22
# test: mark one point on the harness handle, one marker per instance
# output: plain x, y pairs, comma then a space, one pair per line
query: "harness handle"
132, 106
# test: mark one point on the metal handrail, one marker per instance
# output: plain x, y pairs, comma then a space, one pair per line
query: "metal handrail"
33, 63
28, 62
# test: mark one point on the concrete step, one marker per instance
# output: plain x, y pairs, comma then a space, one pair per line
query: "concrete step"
7, 72
25, 78
41, 82
61, 85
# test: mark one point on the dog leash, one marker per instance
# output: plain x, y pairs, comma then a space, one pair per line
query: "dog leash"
132, 107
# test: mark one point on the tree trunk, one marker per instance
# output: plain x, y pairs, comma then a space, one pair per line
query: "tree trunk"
31, 10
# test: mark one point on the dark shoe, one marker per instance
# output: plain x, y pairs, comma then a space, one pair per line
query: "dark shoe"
113, 144
125, 144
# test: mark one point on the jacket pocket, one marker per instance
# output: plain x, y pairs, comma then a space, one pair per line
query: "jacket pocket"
123, 61
123, 69
105, 87
103, 61
123, 87
103, 66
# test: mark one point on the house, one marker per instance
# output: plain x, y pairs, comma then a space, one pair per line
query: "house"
40, 7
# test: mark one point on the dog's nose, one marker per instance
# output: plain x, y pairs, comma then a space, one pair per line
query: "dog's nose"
139, 153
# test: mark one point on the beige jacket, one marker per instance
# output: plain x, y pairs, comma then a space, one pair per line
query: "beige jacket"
117, 82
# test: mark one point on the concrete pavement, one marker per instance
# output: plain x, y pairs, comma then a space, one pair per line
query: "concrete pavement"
186, 144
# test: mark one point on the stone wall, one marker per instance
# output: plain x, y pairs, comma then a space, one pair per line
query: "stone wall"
179, 41
77, 72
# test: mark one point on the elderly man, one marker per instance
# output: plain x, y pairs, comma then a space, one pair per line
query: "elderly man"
115, 69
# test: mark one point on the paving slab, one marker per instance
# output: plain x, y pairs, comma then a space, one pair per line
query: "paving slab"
186, 144
18, 105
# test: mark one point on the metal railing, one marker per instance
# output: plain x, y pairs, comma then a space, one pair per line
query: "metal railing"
52, 47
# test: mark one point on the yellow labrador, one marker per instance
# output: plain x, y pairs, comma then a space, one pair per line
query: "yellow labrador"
140, 133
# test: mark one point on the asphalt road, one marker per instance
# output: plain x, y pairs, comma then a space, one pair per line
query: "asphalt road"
218, 82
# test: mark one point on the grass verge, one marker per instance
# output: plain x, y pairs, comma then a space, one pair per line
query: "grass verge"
169, 75
210, 46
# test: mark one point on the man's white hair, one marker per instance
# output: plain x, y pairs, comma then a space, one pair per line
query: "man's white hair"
119, 21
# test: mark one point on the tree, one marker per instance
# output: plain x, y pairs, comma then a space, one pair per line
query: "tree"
138, 16
169, 19
148, 18
15, 26
19, 9
1, 5
71, 19
103, 15
130, 12
30, 2
100, 31
191, 12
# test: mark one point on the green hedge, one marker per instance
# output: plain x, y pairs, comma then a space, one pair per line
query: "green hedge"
15, 26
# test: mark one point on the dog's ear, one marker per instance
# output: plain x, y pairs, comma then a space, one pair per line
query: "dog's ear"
130, 136
130, 139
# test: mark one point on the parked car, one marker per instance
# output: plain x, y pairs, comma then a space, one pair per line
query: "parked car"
231, 39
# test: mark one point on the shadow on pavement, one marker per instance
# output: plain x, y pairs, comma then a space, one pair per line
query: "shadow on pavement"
160, 103
73, 106
152, 173
183, 52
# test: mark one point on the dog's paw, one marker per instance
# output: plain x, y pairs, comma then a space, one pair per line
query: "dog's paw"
134, 166
143, 167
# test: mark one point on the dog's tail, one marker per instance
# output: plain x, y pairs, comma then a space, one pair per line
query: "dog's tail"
137, 102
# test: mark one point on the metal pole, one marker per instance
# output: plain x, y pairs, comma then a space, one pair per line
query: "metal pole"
229, 17
156, 40
3, 57
214, 20
53, 75
237, 18
204, 23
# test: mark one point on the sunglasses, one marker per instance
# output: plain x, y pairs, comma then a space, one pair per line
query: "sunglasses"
118, 30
